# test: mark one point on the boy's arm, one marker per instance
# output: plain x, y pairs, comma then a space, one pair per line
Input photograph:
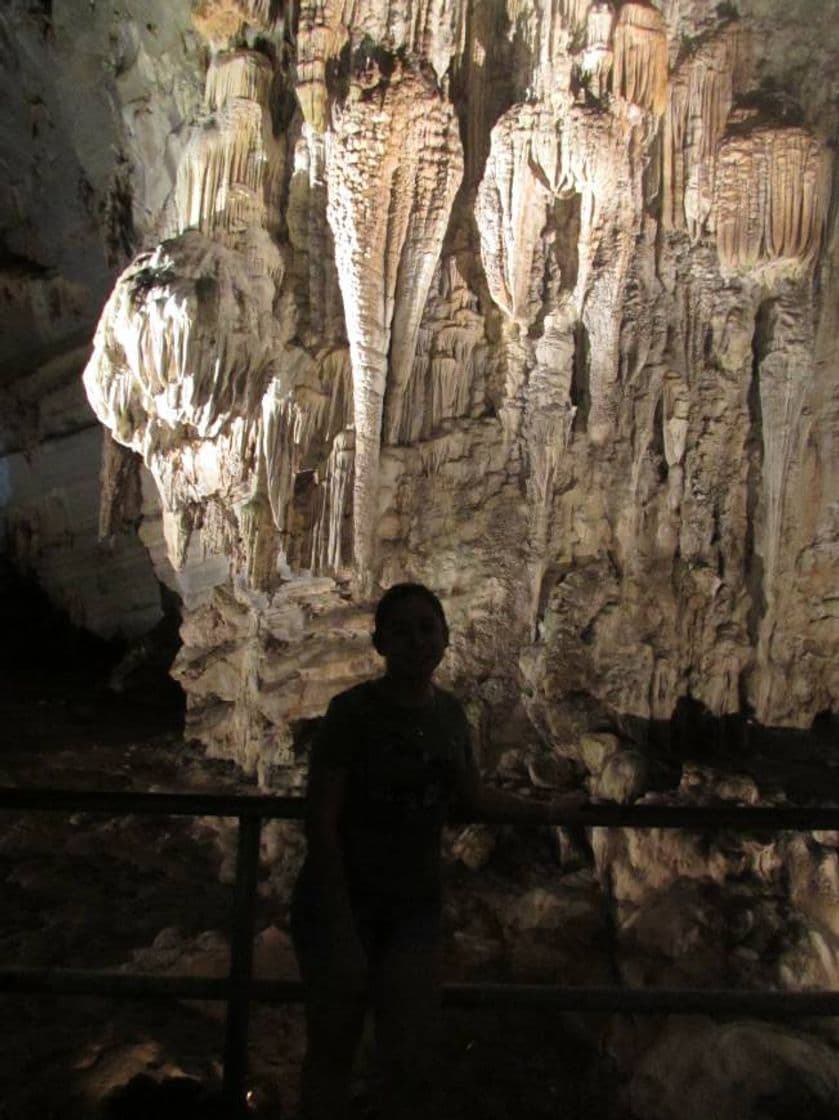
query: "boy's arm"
326, 797
476, 797
521, 810
325, 802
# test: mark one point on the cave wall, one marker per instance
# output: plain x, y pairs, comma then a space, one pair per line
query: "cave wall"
532, 301
535, 301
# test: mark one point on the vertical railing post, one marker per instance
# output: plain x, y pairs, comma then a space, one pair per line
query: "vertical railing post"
241, 966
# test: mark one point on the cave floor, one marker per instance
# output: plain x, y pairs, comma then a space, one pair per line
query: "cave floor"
153, 895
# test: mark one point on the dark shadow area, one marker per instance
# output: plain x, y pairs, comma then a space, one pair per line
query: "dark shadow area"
52, 670
173, 1098
793, 760
580, 395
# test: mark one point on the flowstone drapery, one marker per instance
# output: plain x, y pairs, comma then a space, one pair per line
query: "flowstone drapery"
609, 302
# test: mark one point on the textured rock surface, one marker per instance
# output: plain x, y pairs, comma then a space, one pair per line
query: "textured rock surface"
535, 301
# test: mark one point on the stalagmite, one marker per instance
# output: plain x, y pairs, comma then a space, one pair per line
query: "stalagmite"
771, 198
394, 164
640, 61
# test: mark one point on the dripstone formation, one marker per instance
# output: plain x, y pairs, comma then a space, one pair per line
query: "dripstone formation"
536, 302
532, 303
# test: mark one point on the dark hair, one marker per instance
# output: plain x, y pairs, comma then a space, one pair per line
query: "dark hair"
398, 594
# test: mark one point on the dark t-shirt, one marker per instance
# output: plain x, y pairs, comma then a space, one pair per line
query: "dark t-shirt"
405, 767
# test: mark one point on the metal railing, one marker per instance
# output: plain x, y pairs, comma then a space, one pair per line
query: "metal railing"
239, 989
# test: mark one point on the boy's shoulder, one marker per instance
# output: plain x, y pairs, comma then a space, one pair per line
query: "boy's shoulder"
354, 699
447, 700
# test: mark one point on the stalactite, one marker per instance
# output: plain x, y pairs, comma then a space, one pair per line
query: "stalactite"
446, 365
220, 21
597, 58
245, 74
321, 36
302, 415
771, 198
231, 174
329, 549
640, 63
393, 167
511, 205
700, 97
430, 29
546, 32
159, 353
316, 286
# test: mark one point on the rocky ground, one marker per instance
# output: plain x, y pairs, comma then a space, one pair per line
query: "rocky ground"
150, 894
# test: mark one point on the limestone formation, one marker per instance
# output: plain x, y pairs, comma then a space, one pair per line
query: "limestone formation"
700, 98
533, 300
639, 72
314, 329
393, 167
771, 197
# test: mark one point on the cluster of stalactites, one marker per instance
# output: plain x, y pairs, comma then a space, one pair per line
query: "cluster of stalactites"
771, 198
230, 176
321, 35
639, 44
307, 428
433, 30
596, 60
511, 205
701, 95
221, 21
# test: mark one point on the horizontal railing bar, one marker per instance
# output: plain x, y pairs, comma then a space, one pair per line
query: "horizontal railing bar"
733, 817
123, 802
125, 985
48, 981
644, 1001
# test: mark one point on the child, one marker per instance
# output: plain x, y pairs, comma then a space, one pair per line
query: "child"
391, 758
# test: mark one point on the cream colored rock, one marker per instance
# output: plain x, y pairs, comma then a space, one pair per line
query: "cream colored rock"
394, 164
220, 21
771, 196
639, 72
596, 748
623, 778
474, 846
700, 97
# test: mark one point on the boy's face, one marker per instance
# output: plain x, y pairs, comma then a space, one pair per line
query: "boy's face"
412, 640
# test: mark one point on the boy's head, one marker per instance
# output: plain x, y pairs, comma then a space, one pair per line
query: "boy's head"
411, 631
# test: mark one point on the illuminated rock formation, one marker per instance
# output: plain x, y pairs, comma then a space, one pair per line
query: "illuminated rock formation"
640, 56
701, 95
393, 167
771, 198
611, 309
